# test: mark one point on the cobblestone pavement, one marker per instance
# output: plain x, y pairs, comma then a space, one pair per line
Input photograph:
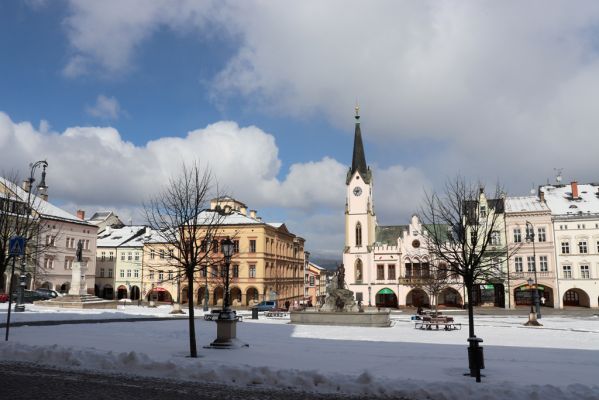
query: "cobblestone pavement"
31, 381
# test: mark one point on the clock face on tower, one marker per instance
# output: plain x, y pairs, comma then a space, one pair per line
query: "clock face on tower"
357, 191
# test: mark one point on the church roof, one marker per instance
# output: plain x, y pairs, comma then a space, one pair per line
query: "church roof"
389, 234
358, 158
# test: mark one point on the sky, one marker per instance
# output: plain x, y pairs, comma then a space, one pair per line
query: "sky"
117, 95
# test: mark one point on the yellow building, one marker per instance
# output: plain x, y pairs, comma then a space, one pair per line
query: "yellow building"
267, 264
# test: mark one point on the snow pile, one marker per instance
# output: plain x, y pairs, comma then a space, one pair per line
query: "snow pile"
560, 358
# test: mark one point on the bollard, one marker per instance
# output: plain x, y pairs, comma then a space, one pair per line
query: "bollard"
254, 313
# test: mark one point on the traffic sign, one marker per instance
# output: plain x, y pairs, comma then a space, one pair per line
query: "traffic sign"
16, 246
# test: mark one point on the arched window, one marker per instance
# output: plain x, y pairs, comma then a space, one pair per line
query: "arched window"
358, 234
358, 274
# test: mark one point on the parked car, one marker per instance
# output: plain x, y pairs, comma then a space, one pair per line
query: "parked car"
48, 293
29, 296
3, 297
266, 305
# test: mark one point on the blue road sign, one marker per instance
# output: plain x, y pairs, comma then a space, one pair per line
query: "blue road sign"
16, 246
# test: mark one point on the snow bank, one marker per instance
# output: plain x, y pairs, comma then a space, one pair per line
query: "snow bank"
561, 358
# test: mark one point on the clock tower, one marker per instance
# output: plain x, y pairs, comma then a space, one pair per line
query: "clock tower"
360, 219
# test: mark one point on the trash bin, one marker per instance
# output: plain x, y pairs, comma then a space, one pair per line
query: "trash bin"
476, 358
254, 313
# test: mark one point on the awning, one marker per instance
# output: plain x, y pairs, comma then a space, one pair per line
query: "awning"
385, 291
159, 289
526, 287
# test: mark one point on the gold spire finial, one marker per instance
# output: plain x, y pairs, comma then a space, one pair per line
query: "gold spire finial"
357, 111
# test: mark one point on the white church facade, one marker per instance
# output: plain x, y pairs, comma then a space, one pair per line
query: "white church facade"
382, 262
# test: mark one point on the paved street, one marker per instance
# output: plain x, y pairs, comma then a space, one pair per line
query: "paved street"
28, 381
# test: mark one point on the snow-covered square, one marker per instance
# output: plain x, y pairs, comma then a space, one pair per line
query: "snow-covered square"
556, 361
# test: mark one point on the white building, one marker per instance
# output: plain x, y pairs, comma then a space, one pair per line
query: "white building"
524, 216
57, 242
575, 215
380, 261
115, 257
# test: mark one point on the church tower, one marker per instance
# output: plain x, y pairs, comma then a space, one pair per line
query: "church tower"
360, 219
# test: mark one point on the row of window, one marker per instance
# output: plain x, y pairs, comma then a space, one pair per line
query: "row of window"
530, 264
70, 242
68, 262
583, 247
109, 273
122, 273
530, 234
585, 272
578, 226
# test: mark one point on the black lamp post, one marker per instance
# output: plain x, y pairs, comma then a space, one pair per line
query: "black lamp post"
226, 324
530, 236
228, 247
20, 304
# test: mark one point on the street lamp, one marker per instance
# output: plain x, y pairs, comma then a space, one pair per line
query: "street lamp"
226, 324
208, 242
530, 236
20, 304
228, 247
532, 317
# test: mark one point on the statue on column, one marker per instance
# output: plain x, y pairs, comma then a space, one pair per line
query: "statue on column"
341, 277
79, 252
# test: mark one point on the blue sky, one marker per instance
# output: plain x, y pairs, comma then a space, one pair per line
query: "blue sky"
110, 91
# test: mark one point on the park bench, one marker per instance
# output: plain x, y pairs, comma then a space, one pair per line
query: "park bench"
213, 316
430, 323
277, 314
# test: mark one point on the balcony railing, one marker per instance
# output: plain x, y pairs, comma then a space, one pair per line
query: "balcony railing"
526, 275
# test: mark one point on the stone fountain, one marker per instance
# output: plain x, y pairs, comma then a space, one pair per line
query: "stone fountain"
340, 308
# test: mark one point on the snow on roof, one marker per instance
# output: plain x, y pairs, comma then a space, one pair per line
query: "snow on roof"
525, 204
560, 201
100, 216
43, 207
117, 237
317, 266
275, 224
234, 218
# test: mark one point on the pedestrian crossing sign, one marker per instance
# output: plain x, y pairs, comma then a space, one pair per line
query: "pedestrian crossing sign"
16, 246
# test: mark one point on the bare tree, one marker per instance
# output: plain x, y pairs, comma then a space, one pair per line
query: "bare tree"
433, 280
20, 215
181, 217
464, 231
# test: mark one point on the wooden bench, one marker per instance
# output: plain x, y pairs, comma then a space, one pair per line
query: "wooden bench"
430, 323
213, 316
277, 314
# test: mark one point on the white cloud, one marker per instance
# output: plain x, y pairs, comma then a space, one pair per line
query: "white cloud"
481, 82
105, 108
95, 169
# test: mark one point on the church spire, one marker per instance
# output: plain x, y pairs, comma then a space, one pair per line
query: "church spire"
358, 159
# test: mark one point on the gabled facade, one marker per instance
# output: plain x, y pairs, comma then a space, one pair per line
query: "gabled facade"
112, 261
524, 217
382, 263
575, 217
56, 244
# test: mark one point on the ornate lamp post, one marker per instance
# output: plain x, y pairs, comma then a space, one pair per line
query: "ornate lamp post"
228, 247
226, 324
20, 305
530, 236
206, 270
532, 317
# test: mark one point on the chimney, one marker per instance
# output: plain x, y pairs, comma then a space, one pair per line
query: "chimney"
574, 185
542, 196
26, 185
81, 214
243, 210
253, 214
